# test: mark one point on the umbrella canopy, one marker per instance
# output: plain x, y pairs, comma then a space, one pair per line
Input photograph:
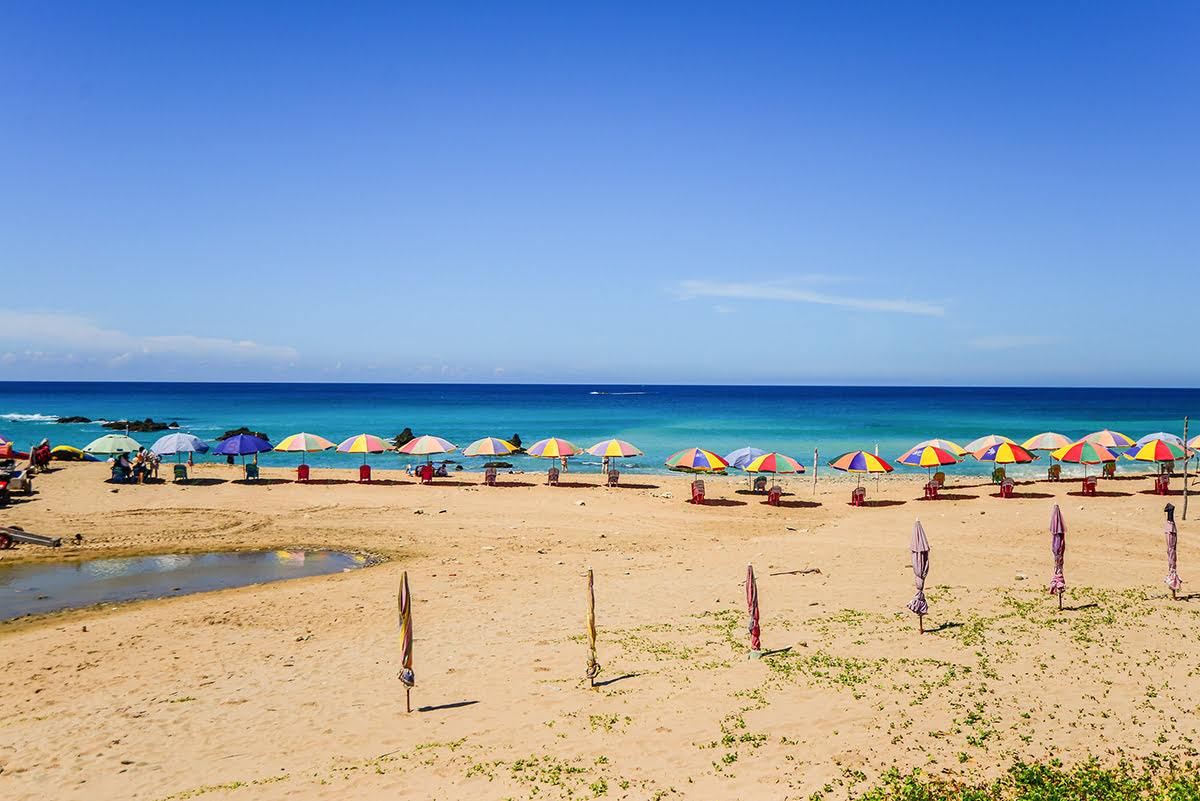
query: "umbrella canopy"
928, 456
919, 546
1005, 453
554, 448
1049, 441
407, 677
489, 446
242, 445
860, 462
1109, 439
4, 439
363, 443
697, 459
743, 456
179, 442
1156, 450
752, 607
1084, 452
1172, 545
615, 448
427, 444
983, 443
944, 444
1058, 547
1174, 439
1194, 442
774, 463
303, 443
68, 454
111, 444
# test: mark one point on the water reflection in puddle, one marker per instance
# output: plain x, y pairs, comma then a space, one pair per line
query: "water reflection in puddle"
36, 588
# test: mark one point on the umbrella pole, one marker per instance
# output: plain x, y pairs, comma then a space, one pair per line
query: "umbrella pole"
921, 624
408, 700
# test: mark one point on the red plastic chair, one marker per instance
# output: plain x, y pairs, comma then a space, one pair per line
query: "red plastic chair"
614, 477
931, 491
489, 477
1006, 488
364, 474
859, 496
426, 473
698, 492
774, 495
1089, 485
1162, 485
302, 472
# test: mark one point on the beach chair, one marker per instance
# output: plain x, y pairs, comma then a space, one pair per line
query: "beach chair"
1089, 485
302, 472
1055, 472
698, 491
1162, 485
1006, 488
120, 476
760, 484
858, 496
1110, 470
489, 477
552, 477
940, 478
364, 474
425, 472
931, 491
613, 477
180, 472
252, 472
774, 495
998, 475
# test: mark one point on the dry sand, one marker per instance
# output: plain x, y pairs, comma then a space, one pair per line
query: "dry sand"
289, 690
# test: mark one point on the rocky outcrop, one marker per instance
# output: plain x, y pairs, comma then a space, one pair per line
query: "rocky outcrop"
516, 440
138, 425
403, 438
73, 420
242, 430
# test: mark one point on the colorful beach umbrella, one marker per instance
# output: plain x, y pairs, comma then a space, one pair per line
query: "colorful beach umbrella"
743, 456
928, 456
1172, 545
697, 459
1085, 453
1109, 439
919, 545
983, 443
554, 448
1194, 442
774, 463
112, 444
303, 443
752, 608
1048, 441
406, 675
1005, 453
1156, 450
364, 444
1164, 436
593, 666
426, 445
1058, 547
944, 444
178, 443
489, 446
860, 462
616, 448
4, 440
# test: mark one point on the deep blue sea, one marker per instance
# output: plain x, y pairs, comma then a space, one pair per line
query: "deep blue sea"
660, 420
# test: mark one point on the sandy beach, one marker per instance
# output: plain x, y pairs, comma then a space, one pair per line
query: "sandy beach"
289, 690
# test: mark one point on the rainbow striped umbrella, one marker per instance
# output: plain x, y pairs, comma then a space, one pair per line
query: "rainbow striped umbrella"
860, 462
4, 440
1006, 453
1156, 450
427, 444
1194, 442
489, 446
554, 448
944, 444
697, 459
364, 444
614, 447
303, 443
929, 456
983, 443
1109, 439
774, 463
1049, 441
1085, 453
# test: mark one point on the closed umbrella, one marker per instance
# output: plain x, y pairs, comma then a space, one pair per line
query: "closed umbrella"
179, 443
112, 444
752, 608
920, 564
407, 677
1058, 547
1172, 544
593, 666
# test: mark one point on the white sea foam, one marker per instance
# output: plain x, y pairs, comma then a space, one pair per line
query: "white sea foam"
30, 418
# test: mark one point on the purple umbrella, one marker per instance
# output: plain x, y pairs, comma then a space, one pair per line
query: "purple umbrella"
920, 562
1058, 546
242, 444
752, 604
1172, 541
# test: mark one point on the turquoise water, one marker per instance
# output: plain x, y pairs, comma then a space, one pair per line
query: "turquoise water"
658, 419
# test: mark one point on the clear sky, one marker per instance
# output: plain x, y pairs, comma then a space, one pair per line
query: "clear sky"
824, 192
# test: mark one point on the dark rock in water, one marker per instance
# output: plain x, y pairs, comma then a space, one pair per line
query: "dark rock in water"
173, 425
515, 440
242, 430
403, 438
498, 464
72, 420
136, 425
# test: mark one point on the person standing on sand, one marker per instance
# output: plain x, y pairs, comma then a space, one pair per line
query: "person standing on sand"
604, 466
563, 461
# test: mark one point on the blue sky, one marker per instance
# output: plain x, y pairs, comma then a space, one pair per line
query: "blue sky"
944, 193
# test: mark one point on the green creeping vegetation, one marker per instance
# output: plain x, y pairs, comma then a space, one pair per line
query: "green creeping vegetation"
1048, 782
230, 786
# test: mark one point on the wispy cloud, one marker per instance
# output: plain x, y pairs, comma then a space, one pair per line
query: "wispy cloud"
689, 290
1006, 341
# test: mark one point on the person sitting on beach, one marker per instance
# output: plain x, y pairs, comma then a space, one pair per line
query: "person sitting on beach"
408, 469
122, 466
441, 471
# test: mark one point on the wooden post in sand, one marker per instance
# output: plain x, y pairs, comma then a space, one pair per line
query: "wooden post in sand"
814, 471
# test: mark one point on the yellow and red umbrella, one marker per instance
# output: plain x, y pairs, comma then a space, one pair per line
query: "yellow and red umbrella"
1006, 453
860, 462
1109, 439
1048, 441
1085, 453
489, 446
614, 448
929, 456
697, 459
1156, 450
303, 443
983, 443
364, 444
944, 444
774, 463
554, 448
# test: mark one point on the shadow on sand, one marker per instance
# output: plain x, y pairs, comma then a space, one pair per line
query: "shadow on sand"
615, 679
797, 504
439, 707
719, 502
1099, 494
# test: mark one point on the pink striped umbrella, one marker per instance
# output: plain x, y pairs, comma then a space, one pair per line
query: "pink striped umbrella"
920, 564
1058, 547
752, 604
407, 678
1172, 544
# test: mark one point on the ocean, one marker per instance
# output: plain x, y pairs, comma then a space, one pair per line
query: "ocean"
659, 420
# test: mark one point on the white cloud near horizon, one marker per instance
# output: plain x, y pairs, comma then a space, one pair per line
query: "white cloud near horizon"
72, 332
1007, 341
688, 290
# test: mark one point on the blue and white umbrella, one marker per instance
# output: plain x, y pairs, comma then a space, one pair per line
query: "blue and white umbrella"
744, 456
179, 442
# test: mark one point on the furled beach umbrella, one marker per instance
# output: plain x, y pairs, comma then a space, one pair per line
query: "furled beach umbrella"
112, 444
593, 667
860, 462
489, 446
743, 456
1172, 545
178, 443
1058, 547
752, 608
407, 677
614, 448
697, 459
1085, 453
929, 457
1174, 439
774, 463
303, 443
983, 443
553, 448
919, 546
426, 445
1156, 450
364, 444
1109, 439
944, 444
1048, 441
